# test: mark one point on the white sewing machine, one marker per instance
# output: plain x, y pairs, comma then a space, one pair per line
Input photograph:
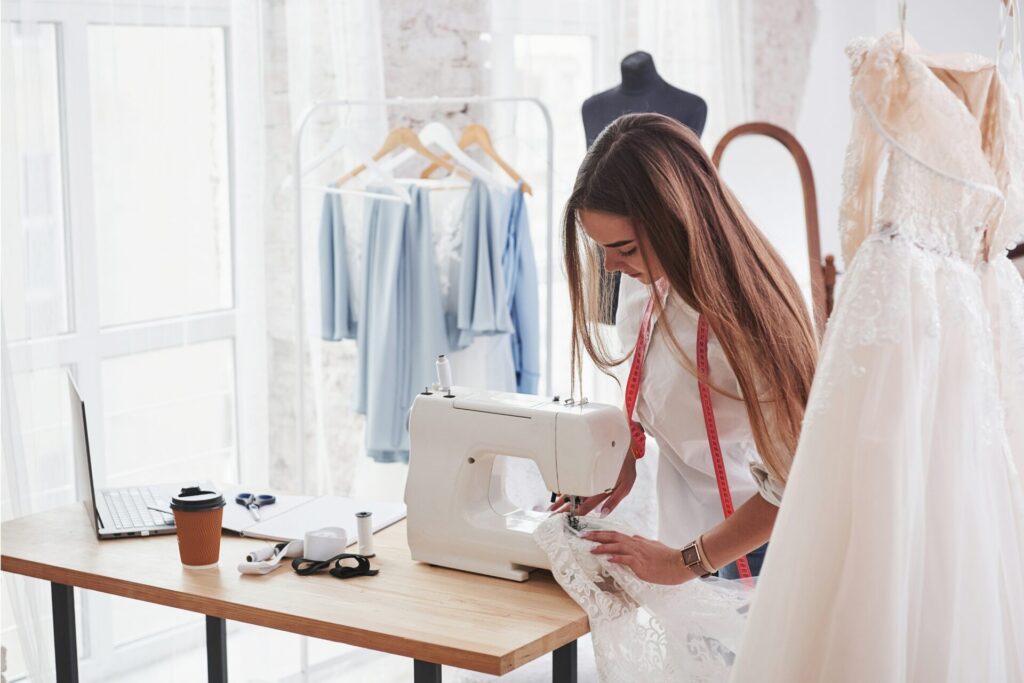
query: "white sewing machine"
458, 513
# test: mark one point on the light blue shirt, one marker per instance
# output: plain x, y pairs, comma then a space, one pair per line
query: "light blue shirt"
482, 298
402, 326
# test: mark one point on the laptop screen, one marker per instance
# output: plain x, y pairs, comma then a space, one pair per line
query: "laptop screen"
86, 488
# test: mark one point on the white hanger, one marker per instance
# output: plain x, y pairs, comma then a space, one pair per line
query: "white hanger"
346, 138
438, 135
435, 133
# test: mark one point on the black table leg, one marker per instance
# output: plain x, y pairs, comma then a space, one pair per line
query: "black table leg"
65, 644
216, 650
563, 664
425, 672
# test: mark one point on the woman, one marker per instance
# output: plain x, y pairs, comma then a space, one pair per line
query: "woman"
649, 202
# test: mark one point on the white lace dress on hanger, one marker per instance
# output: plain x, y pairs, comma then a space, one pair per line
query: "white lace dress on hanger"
898, 553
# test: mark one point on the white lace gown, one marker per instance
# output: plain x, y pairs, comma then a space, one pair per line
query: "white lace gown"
643, 631
898, 553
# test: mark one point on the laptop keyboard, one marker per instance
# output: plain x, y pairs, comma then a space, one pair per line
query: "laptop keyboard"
128, 509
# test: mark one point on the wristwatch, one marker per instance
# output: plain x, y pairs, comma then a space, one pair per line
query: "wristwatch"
694, 560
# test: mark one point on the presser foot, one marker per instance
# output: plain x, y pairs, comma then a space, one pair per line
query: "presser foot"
572, 519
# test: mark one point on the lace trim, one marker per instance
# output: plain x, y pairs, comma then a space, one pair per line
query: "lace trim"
643, 631
880, 129
887, 232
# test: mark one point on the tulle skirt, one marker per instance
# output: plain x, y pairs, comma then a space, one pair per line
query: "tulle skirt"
898, 553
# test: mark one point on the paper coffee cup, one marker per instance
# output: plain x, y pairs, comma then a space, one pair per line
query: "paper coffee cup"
198, 515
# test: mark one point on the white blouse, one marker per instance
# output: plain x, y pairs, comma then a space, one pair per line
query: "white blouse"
669, 409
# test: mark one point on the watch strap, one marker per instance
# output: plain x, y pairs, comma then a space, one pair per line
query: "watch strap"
693, 560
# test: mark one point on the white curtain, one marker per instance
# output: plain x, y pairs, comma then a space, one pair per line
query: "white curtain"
33, 308
701, 46
313, 50
27, 598
748, 60
301, 51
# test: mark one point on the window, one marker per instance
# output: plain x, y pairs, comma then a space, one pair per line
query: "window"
160, 163
171, 411
121, 193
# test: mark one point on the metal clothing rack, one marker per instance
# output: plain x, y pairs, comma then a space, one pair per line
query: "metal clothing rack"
297, 185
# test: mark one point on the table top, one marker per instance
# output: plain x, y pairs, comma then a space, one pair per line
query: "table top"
411, 609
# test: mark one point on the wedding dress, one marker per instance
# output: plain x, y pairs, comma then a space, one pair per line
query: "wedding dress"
898, 552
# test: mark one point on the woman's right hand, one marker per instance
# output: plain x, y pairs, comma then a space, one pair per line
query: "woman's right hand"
611, 499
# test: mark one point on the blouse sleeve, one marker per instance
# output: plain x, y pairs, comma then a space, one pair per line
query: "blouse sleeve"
768, 486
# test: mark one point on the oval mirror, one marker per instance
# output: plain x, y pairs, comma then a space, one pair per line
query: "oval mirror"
767, 170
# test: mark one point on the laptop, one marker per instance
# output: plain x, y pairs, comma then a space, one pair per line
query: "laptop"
117, 512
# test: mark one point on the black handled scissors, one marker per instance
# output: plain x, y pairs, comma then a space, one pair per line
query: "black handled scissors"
254, 501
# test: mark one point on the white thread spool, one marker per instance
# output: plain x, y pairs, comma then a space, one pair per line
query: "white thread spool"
364, 528
261, 554
272, 562
323, 544
444, 375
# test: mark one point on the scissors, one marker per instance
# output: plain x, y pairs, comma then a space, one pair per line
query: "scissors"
254, 501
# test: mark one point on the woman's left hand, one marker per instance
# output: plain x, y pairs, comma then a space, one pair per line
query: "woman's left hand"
651, 561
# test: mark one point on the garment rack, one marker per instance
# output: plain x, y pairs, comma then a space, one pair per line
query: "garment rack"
300, 129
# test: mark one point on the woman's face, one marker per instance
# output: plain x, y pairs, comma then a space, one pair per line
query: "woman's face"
621, 245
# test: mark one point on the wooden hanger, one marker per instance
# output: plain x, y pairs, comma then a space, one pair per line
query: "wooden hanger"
476, 134
405, 137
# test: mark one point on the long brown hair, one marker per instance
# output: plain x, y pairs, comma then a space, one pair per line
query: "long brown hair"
652, 170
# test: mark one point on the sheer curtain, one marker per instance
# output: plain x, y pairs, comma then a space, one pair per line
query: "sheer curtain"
314, 50
702, 46
35, 305
26, 599
149, 249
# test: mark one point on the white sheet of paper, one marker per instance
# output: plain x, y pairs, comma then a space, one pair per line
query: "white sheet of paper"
237, 518
295, 515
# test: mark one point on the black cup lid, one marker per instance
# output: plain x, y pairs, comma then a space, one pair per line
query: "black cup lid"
195, 499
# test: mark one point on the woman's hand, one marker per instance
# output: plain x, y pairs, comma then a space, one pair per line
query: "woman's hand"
651, 561
623, 485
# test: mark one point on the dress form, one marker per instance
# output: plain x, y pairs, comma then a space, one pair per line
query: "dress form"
642, 90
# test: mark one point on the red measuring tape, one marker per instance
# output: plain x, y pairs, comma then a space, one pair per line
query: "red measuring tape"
709, 425
633, 382
637, 431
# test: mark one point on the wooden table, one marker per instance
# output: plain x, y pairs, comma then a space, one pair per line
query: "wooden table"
436, 616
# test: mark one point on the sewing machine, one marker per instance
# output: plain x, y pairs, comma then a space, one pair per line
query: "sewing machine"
459, 515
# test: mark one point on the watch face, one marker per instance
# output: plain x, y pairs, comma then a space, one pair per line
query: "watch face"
690, 555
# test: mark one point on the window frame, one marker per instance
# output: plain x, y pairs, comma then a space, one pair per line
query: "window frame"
87, 344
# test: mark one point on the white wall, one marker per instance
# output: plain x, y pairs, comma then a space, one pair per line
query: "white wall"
824, 126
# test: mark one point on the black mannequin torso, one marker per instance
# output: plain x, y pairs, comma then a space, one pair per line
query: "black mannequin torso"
642, 90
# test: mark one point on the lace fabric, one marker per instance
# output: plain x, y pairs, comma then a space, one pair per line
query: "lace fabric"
948, 167
643, 631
